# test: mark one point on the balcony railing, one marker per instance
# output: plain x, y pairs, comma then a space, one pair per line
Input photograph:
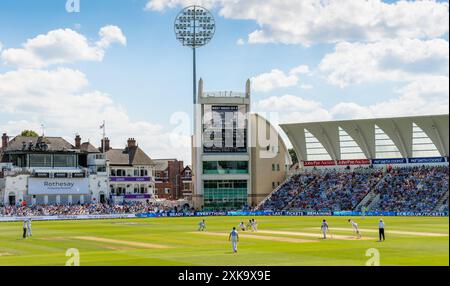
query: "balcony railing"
130, 179
224, 94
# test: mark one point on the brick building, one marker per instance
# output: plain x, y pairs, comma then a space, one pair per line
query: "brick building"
172, 179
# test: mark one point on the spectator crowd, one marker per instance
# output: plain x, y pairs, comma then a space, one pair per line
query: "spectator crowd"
324, 191
415, 189
84, 209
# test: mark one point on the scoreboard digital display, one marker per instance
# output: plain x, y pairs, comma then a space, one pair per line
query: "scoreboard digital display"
225, 130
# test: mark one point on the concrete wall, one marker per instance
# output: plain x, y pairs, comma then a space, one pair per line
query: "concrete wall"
263, 175
17, 186
98, 184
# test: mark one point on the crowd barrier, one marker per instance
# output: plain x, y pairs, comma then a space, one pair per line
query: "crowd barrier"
231, 213
66, 217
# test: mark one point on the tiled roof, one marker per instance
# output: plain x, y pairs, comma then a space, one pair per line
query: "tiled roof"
88, 148
54, 144
128, 156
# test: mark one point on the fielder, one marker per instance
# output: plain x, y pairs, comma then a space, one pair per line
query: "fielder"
355, 227
234, 238
254, 225
242, 226
29, 232
249, 224
202, 225
324, 228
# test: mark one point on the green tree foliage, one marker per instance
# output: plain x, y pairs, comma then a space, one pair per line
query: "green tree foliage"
29, 133
293, 156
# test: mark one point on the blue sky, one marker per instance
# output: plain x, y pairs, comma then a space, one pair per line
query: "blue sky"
351, 69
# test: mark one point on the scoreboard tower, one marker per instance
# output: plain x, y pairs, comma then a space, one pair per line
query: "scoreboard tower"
222, 159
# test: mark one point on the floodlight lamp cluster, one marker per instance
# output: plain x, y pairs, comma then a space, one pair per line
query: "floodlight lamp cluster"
194, 26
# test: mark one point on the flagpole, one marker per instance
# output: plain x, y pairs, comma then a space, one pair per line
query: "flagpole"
104, 136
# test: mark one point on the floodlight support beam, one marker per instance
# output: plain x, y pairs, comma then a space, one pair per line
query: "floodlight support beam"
194, 75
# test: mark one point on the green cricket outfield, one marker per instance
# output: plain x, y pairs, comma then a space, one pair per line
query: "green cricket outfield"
280, 241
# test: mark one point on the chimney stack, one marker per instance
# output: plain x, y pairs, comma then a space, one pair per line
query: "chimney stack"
77, 142
106, 144
5, 140
248, 88
131, 143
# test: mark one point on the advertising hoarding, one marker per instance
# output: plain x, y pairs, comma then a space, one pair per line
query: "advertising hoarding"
58, 186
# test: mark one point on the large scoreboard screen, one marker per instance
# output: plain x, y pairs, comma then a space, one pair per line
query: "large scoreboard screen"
225, 129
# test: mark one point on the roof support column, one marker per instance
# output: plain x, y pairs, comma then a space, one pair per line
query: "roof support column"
440, 145
330, 148
364, 146
402, 146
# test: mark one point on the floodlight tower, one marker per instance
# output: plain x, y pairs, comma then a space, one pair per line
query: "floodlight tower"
195, 27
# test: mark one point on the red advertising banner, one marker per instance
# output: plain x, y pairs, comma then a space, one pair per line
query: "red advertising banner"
319, 163
353, 162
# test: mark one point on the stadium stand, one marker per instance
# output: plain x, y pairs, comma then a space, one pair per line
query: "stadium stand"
417, 189
78, 209
324, 190
406, 189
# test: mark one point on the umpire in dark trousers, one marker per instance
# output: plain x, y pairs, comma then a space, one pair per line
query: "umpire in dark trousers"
381, 230
25, 229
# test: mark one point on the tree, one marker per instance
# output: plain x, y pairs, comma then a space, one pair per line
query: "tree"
293, 156
29, 133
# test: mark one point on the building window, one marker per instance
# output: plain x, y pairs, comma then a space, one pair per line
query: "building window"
101, 169
40, 160
225, 194
225, 167
64, 161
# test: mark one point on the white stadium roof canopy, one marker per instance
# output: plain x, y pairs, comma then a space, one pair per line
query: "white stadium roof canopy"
381, 138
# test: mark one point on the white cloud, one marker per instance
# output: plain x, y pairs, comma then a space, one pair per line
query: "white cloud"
306, 86
240, 42
389, 60
287, 103
278, 79
422, 97
62, 46
61, 100
272, 80
330, 21
302, 69
292, 108
110, 35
